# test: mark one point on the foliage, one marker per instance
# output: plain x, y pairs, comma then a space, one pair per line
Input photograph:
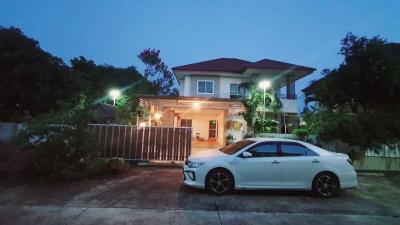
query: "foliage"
359, 101
126, 110
234, 125
301, 133
96, 80
108, 166
157, 72
254, 104
63, 144
32, 81
229, 137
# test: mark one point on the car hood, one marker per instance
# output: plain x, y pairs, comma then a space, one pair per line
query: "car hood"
206, 154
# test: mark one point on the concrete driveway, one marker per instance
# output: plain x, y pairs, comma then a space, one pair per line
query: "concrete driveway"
151, 195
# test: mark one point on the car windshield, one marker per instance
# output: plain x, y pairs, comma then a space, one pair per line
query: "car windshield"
235, 147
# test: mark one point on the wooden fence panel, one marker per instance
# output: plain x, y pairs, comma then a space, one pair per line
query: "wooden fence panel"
142, 143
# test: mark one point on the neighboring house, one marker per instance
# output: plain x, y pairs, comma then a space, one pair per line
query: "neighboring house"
103, 113
209, 97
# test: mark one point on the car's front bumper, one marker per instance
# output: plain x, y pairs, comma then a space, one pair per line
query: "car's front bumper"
191, 177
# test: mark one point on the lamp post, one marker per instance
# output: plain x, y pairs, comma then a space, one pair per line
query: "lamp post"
284, 117
114, 93
264, 85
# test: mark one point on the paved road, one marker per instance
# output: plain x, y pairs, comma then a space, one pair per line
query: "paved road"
148, 195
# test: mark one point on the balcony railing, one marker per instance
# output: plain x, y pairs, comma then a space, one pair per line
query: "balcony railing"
288, 96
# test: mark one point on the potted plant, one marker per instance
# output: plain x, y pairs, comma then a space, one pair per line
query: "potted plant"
229, 139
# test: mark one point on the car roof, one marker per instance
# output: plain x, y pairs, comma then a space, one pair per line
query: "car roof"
317, 149
273, 139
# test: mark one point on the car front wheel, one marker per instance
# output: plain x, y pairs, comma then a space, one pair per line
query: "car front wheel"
219, 182
325, 185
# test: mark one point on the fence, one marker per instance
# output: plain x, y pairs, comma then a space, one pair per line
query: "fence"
8, 130
383, 151
143, 143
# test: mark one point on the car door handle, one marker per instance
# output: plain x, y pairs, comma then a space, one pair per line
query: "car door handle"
315, 161
275, 162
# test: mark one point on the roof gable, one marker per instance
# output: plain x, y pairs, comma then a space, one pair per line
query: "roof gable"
277, 65
238, 65
220, 65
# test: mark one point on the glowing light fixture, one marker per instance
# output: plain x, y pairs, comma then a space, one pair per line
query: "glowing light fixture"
196, 105
157, 116
114, 93
264, 84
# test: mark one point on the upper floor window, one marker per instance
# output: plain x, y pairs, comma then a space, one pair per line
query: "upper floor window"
237, 91
205, 87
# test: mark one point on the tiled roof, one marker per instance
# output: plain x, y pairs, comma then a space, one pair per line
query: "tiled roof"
237, 65
220, 65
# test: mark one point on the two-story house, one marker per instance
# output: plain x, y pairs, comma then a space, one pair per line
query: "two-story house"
209, 94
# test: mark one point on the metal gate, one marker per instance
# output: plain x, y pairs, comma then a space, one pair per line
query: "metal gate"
143, 143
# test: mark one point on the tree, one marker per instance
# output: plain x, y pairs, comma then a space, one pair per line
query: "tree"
97, 80
257, 122
157, 72
32, 81
359, 101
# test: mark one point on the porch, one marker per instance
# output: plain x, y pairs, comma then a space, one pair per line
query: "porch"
211, 119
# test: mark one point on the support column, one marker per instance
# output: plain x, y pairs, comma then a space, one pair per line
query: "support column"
290, 88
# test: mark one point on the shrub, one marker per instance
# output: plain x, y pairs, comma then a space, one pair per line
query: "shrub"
301, 133
108, 166
64, 146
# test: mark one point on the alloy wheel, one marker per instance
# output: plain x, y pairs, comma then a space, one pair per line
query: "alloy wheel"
326, 185
219, 183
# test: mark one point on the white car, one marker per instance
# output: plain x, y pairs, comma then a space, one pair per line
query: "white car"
270, 163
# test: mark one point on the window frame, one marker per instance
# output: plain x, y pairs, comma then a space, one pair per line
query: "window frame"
238, 88
186, 120
205, 87
263, 143
280, 153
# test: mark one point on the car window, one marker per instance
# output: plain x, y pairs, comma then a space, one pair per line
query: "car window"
311, 152
289, 149
264, 150
235, 147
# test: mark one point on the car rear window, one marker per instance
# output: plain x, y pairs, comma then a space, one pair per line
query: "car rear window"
235, 147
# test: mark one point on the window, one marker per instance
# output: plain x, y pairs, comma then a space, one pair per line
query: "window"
235, 147
293, 150
311, 153
264, 150
237, 91
186, 123
205, 87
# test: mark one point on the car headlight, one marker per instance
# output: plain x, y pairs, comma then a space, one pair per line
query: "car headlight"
195, 164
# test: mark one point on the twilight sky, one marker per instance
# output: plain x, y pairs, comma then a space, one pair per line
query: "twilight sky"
115, 31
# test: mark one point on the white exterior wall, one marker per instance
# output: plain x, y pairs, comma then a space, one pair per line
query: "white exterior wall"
186, 86
224, 85
200, 122
222, 90
289, 105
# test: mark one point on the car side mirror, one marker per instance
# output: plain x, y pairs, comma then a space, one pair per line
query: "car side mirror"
247, 155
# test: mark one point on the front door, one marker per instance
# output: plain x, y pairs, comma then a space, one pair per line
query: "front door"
298, 165
262, 169
212, 129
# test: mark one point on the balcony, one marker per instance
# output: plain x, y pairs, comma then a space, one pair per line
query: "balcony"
289, 103
287, 96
